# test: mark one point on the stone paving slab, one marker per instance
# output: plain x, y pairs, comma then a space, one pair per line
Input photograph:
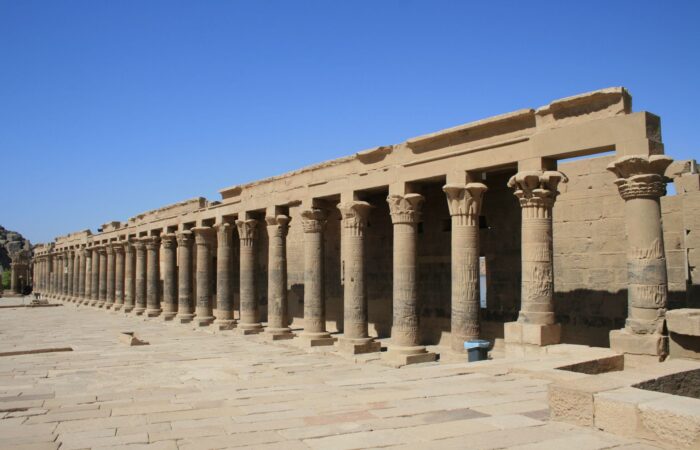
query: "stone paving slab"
199, 390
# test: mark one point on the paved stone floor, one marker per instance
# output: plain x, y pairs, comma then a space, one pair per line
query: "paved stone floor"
196, 390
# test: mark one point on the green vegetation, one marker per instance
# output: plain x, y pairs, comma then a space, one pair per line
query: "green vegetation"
6, 279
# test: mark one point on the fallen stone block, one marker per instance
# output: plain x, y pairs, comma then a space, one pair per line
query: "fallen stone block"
129, 338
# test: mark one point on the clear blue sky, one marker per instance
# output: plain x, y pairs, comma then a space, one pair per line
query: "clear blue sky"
112, 108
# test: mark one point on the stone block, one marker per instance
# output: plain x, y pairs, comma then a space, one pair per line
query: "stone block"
532, 334
673, 420
623, 341
684, 321
398, 358
316, 341
358, 346
129, 338
573, 401
616, 411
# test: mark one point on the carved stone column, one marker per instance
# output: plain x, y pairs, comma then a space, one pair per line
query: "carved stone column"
70, 261
129, 276
140, 277
224, 277
109, 300
87, 299
61, 271
204, 237
95, 277
313, 222
464, 202
153, 277
185, 308
250, 315
102, 292
118, 275
641, 183
83, 276
277, 320
405, 345
355, 339
536, 190
169, 246
50, 268
76, 274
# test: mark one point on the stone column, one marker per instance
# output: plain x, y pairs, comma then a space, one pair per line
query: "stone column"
355, 339
81, 275
169, 246
102, 291
153, 277
69, 275
203, 238
50, 269
313, 222
66, 275
87, 300
536, 191
224, 277
95, 277
76, 274
118, 275
464, 203
140, 277
129, 276
405, 345
14, 278
59, 277
109, 299
250, 315
277, 320
641, 183
185, 310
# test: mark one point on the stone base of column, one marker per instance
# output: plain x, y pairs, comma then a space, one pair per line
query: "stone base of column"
350, 346
184, 318
397, 356
108, 305
153, 312
118, 306
316, 339
93, 303
246, 329
278, 334
203, 321
101, 304
626, 342
519, 333
138, 311
127, 309
169, 316
224, 324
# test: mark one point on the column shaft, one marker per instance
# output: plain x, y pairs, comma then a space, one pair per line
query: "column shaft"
250, 315
129, 276
102, 279
140, 277
224, 277
153, 277
203, 238
169, 248
313, 222
109, 300
277, 320
185, 310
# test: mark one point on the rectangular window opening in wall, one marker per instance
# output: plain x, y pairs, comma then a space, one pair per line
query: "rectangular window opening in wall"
482, 281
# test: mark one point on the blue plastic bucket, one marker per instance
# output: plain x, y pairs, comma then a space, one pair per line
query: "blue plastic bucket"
477, 350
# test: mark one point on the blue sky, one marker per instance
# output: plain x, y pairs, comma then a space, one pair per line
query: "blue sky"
109, 109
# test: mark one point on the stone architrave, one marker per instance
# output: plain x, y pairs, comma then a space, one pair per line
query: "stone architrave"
405, 347
277, 320
536, 191
129, 276
313, 222
224, 277
153, 277
185, 308
118, 248
109, 300
140, 277
169, 249
204, 238
95, 277
250, 315
464, 203
641, 183
355, 339
102, 280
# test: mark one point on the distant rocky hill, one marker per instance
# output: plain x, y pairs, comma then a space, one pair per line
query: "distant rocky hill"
11, 242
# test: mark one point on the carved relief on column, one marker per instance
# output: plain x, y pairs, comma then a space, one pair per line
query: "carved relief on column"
313, 222
537, 191
169, 248
109, 299
140, 277
129, 276
277, 320
355, 337
204, 238
185, 307
464, 203
224, 276
118, 248
250, 315
153, 276
641, 182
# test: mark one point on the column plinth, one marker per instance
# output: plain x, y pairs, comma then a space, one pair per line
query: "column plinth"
250, 315
313, 222
277, 320
109, 300
153, 277
405, 347
129, 277
185, 309
118, 275
169, 249
355, 339
641, 183
204, 237
224, 277
140, 277
464, 203
536, 324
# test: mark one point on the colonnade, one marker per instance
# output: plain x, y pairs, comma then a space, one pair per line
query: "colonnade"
125, 276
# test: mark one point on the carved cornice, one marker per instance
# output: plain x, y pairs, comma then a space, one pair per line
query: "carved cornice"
355, 214
247, 230
184, 238
464, 201
537, 191
405, 208
168, 241
313, 220
641, 176
277, 226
